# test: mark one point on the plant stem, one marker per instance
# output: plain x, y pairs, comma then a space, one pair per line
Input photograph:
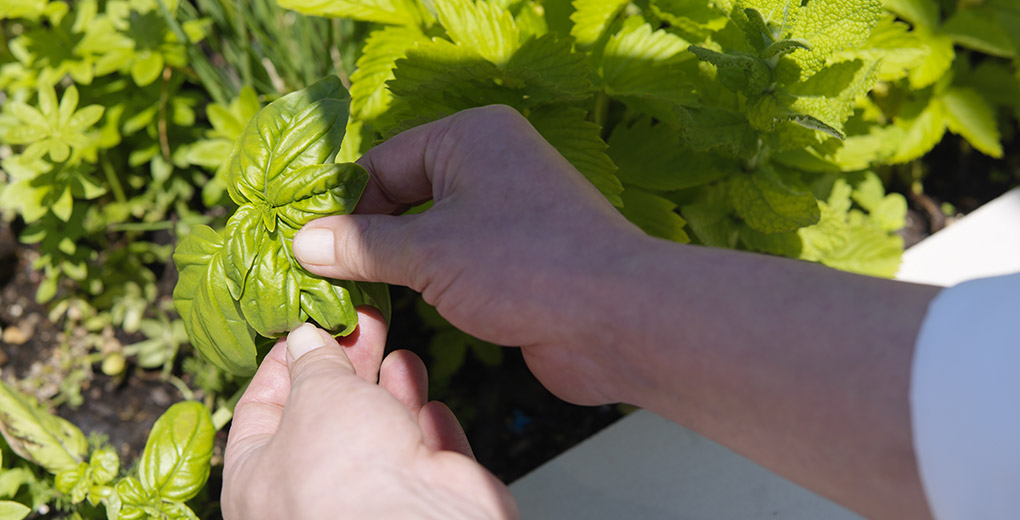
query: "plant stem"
142, 226
601, 109
111, 177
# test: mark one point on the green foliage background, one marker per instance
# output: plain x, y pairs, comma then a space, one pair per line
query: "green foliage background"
764, 125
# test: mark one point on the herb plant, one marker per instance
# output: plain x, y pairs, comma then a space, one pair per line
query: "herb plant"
173, 467
245, 282
732, 123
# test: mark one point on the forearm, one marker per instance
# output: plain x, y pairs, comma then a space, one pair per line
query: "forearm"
801, 368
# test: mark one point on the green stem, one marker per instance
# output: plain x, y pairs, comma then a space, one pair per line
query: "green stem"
111, 177
601, 109
182, 387
142, 226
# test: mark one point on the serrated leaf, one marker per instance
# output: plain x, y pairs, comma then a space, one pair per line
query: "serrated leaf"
547, 70
591, 19
175, 462
938, 58
851, 242
638, 62
655, 215
830, 94
918, 12
860, 151
898, 51
987, 28
691, 16
769, 205
922, 124
737, 71
479, 25
710, 217
968, 115
830, 26
578, 141
395, 12
382, 49
888, 212
708, 128
653, 157
37, 436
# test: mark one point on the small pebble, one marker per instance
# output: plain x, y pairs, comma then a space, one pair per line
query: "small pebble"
14, 336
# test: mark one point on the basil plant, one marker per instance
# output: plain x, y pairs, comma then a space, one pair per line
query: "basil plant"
244, 282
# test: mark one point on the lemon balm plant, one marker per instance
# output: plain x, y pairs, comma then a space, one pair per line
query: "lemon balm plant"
751, 124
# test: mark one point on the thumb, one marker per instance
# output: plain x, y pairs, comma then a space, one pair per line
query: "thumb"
366, 248
312, 363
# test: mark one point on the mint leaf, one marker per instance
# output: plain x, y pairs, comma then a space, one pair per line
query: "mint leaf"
708, 128
924, 13
923, 124
653, 157
989, 28
770, 205
898, 51
829, 26
655, 215
968, 115
710, 218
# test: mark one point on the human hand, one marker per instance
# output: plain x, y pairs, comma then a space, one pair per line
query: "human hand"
513, 251
315, 437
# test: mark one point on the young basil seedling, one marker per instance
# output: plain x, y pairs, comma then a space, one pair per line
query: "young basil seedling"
245, 281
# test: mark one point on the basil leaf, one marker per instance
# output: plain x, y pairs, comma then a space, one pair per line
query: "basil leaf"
129, 500
13, 510
211, 317
301, 129
37, 436
270, 301
175, 462
247, 282
317, 191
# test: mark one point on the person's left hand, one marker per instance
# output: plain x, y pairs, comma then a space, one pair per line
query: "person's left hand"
315, 436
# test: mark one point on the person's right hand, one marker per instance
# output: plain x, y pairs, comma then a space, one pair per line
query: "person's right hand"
513, 251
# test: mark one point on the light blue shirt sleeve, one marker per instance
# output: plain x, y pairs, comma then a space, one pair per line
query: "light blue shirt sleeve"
965, 401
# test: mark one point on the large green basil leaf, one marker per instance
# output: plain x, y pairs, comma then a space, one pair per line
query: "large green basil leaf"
282, 175
175, 463
303, 128
211, 317
37, 436
271, 298
129, 501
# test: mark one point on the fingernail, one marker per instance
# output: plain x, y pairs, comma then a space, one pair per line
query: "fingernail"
314, 246
303, 340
